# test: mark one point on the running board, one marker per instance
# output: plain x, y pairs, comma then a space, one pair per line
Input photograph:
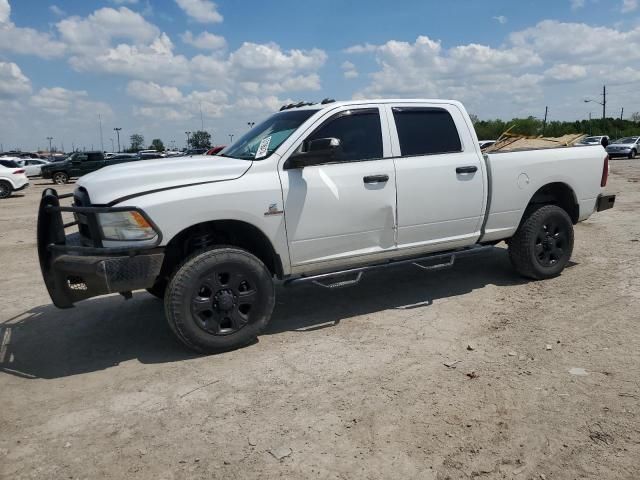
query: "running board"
328, 280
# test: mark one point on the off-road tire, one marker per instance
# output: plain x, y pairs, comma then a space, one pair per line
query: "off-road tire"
531, 246
5, 189
60, 178
201, 279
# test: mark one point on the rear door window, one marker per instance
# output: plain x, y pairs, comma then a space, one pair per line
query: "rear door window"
426, 131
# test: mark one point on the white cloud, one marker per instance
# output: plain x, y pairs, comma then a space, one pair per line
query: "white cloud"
203, 11
25, 41
170, 101
13, 82
349, 70
124, 2
501, 19
629, 6
364, 48
150, 62
96, 32
56, 10
565, 72
204, 41
5, 11
75, 103
577, 4
541, 64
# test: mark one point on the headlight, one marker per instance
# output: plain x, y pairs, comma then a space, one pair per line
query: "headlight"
130, 225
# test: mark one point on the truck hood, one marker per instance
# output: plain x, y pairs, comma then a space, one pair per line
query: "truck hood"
116, 183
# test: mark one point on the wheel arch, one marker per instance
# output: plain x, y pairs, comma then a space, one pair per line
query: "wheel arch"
555, 193
236, 233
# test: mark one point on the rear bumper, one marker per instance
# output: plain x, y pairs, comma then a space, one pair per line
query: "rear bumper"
605, 202
74, 272
21, 187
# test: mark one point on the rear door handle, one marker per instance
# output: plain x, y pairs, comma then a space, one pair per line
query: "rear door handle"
376, 178
469, 169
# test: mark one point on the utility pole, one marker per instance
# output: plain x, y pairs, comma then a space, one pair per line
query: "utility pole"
117, 130
101, 139
49, 138
603, 103
590, 123
621, 113
230, 138
544, 123
188, 139
201, 118
112, 145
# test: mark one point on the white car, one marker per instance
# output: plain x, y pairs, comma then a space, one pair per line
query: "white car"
12, 179
318, 193
595, 140
32, 166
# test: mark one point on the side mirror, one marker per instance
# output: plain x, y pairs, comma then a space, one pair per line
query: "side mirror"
321, 150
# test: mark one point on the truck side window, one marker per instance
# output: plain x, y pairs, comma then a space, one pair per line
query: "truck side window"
359, 132
426, 131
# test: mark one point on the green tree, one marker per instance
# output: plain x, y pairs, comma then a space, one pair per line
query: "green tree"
137, 142
201, 139
157, 145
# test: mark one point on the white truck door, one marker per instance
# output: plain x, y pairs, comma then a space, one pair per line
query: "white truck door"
440, 177
346, 207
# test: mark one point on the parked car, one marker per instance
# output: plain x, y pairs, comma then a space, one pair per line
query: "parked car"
215, 150
624, 147
32, 166
150, 155
12, 178
196, 151
81, 163
9, 162
595, 140
486, 143
364, 185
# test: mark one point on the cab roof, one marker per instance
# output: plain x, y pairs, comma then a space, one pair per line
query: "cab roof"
333, 103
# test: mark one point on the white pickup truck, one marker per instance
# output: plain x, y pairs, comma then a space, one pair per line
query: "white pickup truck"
316, 193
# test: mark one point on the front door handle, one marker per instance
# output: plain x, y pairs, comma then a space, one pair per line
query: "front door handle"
469, 169
376, 178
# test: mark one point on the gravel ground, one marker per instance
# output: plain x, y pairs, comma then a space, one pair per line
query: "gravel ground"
345, 384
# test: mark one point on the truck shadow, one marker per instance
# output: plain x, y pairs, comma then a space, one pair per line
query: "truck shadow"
45, 342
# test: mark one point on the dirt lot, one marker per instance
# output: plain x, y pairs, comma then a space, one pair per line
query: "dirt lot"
345, 384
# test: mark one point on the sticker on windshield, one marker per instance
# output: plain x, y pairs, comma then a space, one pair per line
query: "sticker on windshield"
263, 148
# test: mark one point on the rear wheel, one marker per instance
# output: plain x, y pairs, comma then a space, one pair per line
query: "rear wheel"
219, 300
543, 244
60, 178
5, 189
633, 153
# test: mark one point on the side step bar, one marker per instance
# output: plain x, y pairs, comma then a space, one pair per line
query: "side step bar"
328, 280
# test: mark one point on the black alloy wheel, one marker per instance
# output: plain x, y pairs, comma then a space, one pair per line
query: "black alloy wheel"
222, 303
551, 243
219, 299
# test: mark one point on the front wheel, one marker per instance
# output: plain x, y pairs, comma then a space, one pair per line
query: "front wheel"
60, 178
219, 300
5, 189
543, 244
632, 154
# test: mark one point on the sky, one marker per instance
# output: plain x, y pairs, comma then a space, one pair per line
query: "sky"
152, 66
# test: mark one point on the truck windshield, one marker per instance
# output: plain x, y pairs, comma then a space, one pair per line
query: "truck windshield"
262, 140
